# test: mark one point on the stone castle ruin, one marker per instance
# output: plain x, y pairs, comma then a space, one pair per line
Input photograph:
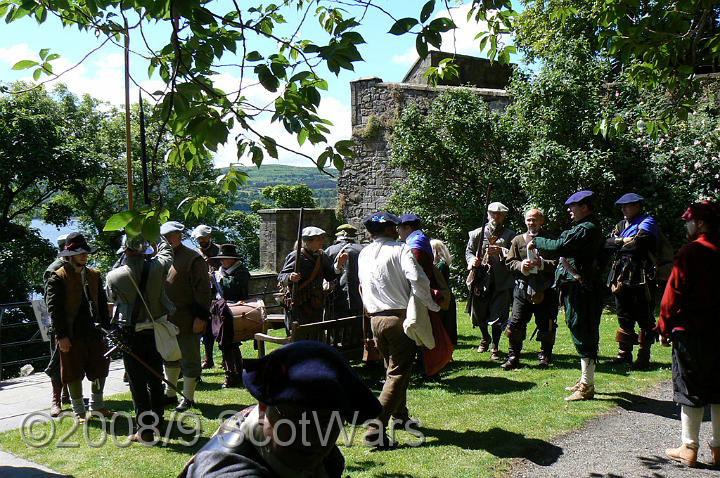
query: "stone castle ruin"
365, 184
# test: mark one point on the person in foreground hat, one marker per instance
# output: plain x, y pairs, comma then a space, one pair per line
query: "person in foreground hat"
315, 265
389, 274
136, 326
491, 307
634, 241
60, 392
578, 280
347, 301
188, 287
305, 391
76, 303
208, 250
689, 320
533, 294
231, 283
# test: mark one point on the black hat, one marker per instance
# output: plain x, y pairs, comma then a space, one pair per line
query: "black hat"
410, 219
76, 244
312, 375
227, 251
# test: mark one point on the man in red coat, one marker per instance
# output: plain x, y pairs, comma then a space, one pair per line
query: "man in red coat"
690, 319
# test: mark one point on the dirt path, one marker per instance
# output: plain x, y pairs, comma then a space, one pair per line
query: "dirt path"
627, 442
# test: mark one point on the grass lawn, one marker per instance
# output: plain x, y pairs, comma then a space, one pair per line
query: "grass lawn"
474, 419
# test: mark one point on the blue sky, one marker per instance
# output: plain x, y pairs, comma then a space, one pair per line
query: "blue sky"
101, 75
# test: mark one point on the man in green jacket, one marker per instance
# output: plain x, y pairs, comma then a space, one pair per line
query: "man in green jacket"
578, 280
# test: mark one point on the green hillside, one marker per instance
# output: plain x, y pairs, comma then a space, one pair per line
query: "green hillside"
324, 187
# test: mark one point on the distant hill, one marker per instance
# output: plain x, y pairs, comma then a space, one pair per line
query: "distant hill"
324, 187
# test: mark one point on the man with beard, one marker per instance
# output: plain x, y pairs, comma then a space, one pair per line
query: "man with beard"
533, 294
578, 280
689, 320
208, 250
76, 303
491, 305
634, 241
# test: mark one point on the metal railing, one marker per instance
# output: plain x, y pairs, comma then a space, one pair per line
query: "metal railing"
28, 327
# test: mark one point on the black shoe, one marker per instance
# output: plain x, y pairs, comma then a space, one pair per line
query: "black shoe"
170, 400
622, 358
184, 405
544, 359
378, 440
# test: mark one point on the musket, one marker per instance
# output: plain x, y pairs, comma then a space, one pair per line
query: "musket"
119, 344
143, 149
473, 275
298, 251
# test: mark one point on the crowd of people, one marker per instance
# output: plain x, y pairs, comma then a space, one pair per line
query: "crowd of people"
399, 282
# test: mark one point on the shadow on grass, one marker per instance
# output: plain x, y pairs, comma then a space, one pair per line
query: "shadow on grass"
25, 472
639, 404
477, 385
498, 442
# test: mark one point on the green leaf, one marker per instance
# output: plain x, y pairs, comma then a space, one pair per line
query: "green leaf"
253, 56
266, 78
441, 25
403, 26
119, 220
421, 46
44, 52
24, 64
37, 73
270, 146
427, 10
151, 228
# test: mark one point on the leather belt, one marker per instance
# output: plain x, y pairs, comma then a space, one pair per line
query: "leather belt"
390, 312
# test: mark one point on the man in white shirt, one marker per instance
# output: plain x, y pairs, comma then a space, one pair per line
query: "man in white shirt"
389, 274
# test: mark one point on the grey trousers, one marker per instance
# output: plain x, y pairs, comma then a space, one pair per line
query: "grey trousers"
190, 360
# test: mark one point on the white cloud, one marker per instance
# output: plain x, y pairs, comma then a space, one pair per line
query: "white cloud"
408, 58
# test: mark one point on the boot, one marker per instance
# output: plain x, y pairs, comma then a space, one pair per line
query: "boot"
715, 454
545, 354
646, 339
573, 387
684, 454
512, 363
583, 392
65, 398
207, 363
625, 341
495, 354
56, 405
484, 344
232, 380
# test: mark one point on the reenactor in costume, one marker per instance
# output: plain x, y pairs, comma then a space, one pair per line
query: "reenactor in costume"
60, 392
634, 241
489, 304
134, 318
533, 294
346, 298
389, 274
577, 278
208, 250
231, 282
188, 287
76, 303
689, 320
308, 298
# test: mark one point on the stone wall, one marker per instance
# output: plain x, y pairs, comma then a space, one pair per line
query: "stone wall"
278, 232
366, 182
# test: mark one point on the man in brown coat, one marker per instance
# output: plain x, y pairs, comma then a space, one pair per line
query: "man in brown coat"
188, 287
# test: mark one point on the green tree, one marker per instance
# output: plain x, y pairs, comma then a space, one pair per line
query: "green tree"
290, 196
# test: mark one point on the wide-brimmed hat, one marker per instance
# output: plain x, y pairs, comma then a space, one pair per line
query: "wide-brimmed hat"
227, 251
311, 375
76, 244
137, 244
